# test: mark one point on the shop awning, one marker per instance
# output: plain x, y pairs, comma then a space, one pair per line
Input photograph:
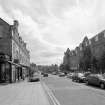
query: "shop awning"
19, 65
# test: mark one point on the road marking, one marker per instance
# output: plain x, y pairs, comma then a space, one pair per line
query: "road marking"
50, 94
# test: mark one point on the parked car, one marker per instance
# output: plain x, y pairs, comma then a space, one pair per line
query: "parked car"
61, 74
85, 75
70, 75
78, 77
35, 77
45, 75
42, 73
96, 79
54, 73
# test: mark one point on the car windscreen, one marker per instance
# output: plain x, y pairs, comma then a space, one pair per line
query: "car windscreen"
80, 74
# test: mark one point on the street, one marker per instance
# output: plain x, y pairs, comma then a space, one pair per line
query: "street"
52, 90
47, 48
67, 92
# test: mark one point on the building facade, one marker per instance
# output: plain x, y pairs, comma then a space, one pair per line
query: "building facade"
96, 45
14, 56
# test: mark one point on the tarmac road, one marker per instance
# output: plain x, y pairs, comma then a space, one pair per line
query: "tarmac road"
67, 92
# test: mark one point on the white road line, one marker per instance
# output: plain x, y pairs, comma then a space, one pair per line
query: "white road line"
50, 94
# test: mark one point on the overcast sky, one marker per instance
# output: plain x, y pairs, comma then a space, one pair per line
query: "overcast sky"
51, 26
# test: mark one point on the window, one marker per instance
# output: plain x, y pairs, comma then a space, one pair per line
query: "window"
104, 34
1, 31
86, 43
96, 38
72, 53
81, 48
12, 33
76, 51
89, 42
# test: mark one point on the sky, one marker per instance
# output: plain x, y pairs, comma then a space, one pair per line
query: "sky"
51, 26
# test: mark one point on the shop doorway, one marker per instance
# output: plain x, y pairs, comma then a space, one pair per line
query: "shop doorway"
2, 72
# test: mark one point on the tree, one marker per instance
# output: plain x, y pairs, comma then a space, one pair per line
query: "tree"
67, 67
81, 65
66, 63
94, 64
102, 63
61, 67
85, 60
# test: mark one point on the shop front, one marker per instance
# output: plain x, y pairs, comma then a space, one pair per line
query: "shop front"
16, 72
5, 69
10, 71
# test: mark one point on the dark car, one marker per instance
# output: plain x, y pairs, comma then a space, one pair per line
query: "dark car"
96, 79
45, 75
86, 74
34, 78
78, 77
42, 73
54, 73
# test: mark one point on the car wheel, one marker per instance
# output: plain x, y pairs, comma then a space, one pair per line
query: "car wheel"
77, 80
102, 86
87, 82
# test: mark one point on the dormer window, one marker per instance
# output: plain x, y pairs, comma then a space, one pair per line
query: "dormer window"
96, 38
76, 51
86, 43
89, 42
81, 48
72, 53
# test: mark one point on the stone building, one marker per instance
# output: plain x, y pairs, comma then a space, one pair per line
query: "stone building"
14, 56
73, 60
96, 45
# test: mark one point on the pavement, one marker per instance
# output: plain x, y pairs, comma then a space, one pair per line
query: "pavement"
23, 93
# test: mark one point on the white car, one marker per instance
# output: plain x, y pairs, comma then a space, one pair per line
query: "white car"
35, 77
